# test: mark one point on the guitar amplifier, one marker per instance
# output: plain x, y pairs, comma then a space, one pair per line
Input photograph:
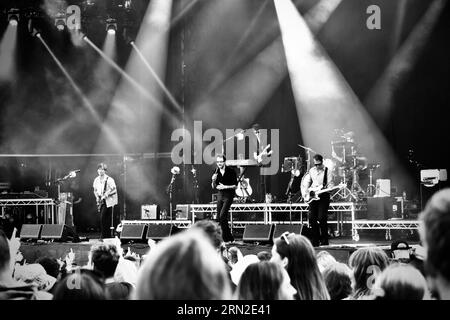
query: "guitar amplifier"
150, 212
183, 212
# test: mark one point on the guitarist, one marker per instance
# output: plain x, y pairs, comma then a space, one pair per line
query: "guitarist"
105, 192
319, 177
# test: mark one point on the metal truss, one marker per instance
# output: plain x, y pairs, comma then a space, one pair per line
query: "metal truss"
344, 213
27, 202
387, 225
48, 204
177, 223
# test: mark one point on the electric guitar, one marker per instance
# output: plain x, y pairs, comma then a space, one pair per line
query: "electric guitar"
312, 194
244, 189
264, 153
111, 197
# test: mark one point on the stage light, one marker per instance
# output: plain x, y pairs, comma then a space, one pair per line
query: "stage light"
60, 21
111, 26
13, 17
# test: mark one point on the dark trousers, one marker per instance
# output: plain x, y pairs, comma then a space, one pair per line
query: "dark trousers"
318, 220
224, 202
106, 222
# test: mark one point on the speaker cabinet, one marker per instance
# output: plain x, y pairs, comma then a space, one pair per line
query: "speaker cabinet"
379, 208
150, 212
258, 232
161, 231
31, 231
133, 232
183, 212
58, 232
291, 228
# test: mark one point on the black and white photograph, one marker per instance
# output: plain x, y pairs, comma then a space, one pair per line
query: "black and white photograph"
224, 150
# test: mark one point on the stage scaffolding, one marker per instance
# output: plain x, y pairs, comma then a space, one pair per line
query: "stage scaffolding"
340, 213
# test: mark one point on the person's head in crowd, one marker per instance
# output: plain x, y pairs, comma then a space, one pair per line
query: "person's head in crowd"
435, 235
265, 281
264, 256
338, 280
212, 230
234, 255
80, 286
183, 267
296, 253
240, 266
400, 282
50, 265
366, 264
324, 260
104, 258
5, 257
35, 274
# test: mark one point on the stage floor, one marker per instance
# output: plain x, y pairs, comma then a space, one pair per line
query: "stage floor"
341, 247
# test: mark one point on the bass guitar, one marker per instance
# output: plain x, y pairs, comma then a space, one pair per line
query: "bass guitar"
312, 194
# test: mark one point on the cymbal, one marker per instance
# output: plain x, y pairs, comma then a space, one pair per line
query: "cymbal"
342, 143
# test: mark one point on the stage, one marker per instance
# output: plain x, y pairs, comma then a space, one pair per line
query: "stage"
340, 247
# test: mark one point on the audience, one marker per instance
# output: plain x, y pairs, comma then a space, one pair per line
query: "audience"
196, 264
324, 260
264, 256
105, 258
183, 267
265, 281
296, 254
400, 282
10, 288
80, 285
435, 235
367, 264
337, 278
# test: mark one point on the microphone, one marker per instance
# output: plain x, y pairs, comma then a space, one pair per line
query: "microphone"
75, 171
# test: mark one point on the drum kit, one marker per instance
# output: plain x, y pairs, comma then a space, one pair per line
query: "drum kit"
349, 165
346, 163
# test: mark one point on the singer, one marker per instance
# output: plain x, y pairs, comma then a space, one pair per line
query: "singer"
105, 192
224, 180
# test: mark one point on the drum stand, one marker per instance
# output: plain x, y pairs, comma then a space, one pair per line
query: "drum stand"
344, 194
356, 187
370, 187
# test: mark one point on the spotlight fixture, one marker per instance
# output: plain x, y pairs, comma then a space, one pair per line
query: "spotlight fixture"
60, 21
111, 25
13, 16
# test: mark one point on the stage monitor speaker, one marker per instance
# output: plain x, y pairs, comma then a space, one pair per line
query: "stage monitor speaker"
58, 232
291, 228
183, 212
379, 208
161, 231
150, 212
133, 232
30, 231
258, 232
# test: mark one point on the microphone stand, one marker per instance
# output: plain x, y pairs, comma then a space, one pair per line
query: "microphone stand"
170, 190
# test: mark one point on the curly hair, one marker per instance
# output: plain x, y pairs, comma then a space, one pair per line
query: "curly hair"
436, 234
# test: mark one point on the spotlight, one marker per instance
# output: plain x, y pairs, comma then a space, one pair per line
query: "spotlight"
111, 26
13, 16
60, 21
